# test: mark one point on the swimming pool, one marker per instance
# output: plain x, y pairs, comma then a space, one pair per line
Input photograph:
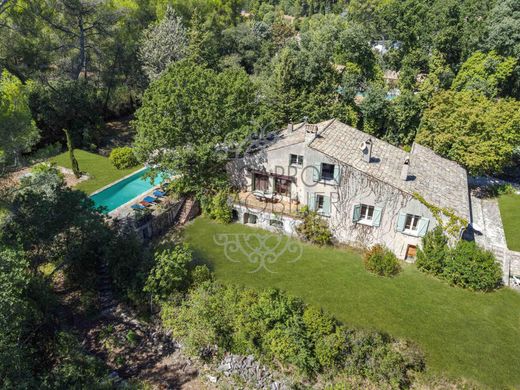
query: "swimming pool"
125, 190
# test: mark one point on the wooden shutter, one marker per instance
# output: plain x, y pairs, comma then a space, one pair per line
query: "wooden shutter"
316, 172
422, 227
356, 215
337, 173
401, 221
311, 201
326, 205
376, 219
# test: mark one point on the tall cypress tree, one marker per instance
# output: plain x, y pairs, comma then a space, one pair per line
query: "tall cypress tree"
73, 161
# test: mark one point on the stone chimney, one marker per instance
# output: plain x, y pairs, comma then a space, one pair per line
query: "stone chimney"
290, 128
311, 131
366, 149
405, 168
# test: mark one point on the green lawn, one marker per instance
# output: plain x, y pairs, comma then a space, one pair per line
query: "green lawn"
101, 171
510, 212
463, 334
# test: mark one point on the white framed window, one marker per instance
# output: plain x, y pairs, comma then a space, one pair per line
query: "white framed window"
320, 202
367, 212
411, 223
296, 159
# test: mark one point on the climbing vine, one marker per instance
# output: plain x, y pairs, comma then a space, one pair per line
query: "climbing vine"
454, 224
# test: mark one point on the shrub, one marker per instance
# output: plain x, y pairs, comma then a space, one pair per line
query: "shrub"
212, 319
331, 349
471, 267
313, 228
381, 261
318, 324
218, 207
431, 257
170, 272
289, 345
376, 357
123, 158
200, 274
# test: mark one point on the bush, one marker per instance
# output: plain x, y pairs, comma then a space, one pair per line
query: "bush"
213, 319
332, 349
471, 267
170, 272
200, 274
313, 228
123, 158
381, 261
432, 255
218, 207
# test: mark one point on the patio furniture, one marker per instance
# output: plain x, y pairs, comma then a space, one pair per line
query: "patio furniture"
145, 203
263, 196
138, 207
516, 280
159, 194
150, 199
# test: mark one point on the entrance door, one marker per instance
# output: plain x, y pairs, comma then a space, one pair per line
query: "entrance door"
261, 182
411, 252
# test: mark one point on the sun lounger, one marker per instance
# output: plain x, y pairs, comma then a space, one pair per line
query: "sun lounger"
149, 199
159, 194
138, 207
145, 203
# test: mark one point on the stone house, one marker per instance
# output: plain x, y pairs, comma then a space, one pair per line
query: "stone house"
368, 191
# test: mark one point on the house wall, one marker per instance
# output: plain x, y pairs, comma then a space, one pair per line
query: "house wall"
354, 187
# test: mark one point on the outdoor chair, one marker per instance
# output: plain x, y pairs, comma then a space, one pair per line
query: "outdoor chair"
159, 194
138, 207
150, 199
516, 280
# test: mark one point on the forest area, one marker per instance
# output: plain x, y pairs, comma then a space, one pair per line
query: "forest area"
196, 74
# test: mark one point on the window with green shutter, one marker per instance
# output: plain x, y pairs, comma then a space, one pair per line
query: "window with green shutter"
356, 213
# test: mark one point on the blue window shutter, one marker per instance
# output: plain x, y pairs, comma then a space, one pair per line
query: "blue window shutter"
376, 220
422, 227
326, 205
316, 172
311, 201
401, 221
356, 215
337, 173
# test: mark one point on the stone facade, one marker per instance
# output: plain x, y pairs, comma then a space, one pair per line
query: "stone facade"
366, 200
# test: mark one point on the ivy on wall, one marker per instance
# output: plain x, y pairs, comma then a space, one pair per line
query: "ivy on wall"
454, 224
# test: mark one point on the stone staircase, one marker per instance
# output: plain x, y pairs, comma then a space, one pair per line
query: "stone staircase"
186, 212
106, 298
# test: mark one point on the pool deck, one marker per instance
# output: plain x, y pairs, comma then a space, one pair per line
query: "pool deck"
125, 210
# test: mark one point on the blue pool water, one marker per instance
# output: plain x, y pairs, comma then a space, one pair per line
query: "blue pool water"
125, 190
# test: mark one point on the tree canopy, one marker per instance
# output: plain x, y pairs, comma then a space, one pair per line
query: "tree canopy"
480, 133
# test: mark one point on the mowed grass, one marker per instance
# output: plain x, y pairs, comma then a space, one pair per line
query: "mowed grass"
510, 212
463, 334
99, 168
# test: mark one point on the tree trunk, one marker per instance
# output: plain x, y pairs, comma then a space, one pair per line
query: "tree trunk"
82, 51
